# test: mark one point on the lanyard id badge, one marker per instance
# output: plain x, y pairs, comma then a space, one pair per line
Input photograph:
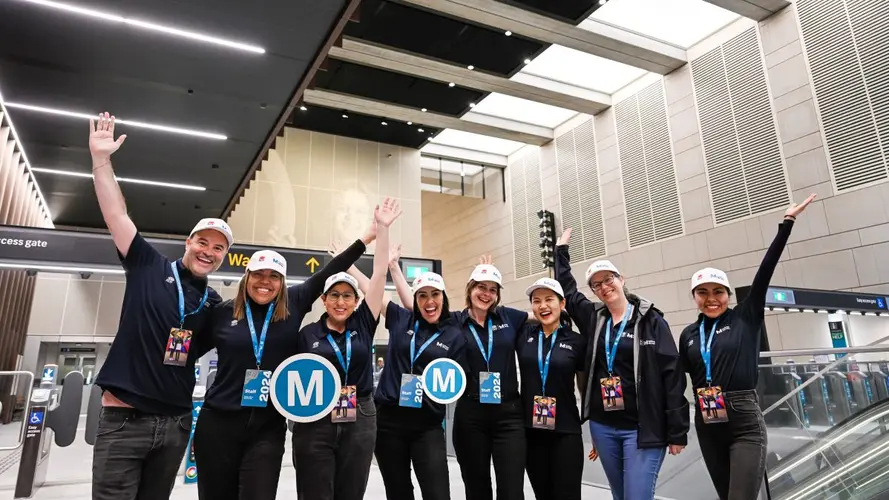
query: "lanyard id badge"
612, 394
610, 386
543, 413
179, 341
710, 398
411, 395
488, 381
257, 382
346, 409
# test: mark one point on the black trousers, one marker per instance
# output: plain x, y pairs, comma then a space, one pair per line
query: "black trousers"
410, 436
735, 451
554, 464
239, 453
333, 460
137, 456
483, 432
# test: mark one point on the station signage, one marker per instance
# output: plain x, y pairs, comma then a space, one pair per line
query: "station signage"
73, 249
827, 300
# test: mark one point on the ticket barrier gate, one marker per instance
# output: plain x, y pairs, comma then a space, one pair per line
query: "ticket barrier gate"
51, 415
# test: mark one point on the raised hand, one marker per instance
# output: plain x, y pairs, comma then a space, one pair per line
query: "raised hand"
335, 248
394, 254
796, 209
101, 142
385, 215
565, 237
486, 259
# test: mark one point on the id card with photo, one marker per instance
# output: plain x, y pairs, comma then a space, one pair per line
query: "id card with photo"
411, 391
346, 409
612, 393
543, 413
176, 351
489, 388
256, 388
712, 404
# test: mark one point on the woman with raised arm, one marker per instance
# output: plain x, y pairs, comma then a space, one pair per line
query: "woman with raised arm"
332, 456
239, 439
409, 430
634, 392
721, 353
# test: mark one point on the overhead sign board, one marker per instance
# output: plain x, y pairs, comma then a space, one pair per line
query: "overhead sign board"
76, 249
828, 300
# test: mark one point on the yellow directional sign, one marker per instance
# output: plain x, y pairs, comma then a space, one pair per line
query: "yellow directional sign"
312, 263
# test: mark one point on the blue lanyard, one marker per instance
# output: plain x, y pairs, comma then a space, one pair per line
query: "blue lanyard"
705, 346
339, 354
423, 347
611, 349
542, 365
259, 346
478, 341
182, 314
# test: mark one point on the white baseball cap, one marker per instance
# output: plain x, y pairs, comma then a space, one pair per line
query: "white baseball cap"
216, 225
486, 272
710, 275
428, 279
600, 265
340, 278
549, 284
268, 259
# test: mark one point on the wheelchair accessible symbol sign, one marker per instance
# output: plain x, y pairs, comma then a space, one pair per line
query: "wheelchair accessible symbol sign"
305, 388
444, 381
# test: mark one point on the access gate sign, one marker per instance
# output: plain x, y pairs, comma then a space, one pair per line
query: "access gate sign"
444, 380
305, 388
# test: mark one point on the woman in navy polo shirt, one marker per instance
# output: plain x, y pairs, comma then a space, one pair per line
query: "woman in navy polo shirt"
239, 438
550, 356
332, 455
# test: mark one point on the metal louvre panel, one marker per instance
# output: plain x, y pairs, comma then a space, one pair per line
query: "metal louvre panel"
569, 196
535, 203
847, 118
663, 192
755, 125
520, 229
592, 219
640, 227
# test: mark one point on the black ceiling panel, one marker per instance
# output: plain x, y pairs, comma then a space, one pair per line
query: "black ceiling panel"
441, 38
395, 88
370, 128
570, 11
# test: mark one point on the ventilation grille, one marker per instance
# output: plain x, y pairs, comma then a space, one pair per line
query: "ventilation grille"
524, 176
846, 54
579, 193
646, 166
743, 157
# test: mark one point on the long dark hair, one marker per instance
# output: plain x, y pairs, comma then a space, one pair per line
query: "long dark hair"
445, 310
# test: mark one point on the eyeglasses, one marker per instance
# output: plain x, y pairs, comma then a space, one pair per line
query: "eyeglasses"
336, 296
596, 285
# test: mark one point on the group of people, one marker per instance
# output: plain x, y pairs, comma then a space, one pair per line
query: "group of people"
618, 353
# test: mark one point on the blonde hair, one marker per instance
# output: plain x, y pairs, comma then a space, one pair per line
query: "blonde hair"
282, 312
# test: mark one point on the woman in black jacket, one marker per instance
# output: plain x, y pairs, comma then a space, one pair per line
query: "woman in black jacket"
721, 352
634, 394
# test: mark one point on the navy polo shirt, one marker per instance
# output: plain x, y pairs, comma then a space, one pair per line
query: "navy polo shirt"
568, 357
450, 344
134, 370
234, 344
361, 327
505, 323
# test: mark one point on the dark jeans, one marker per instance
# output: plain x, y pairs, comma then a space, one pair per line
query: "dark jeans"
333, 460
238, 453
735, 451
483, 431
137, 456
554, 464
408, 436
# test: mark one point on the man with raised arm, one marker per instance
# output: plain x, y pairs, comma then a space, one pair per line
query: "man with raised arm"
148, 378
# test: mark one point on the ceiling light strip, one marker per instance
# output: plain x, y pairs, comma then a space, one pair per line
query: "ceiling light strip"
27, 162
132, 123
105, 16
121, 179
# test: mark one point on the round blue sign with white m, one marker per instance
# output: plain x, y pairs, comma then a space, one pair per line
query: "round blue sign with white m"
305, 388
444, 380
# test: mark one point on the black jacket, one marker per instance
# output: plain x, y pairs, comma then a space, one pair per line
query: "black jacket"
663, 411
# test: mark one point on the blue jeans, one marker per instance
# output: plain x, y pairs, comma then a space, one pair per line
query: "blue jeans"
631, 471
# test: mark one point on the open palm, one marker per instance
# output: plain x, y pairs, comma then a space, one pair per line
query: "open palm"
385, 215
394, 253
102, 143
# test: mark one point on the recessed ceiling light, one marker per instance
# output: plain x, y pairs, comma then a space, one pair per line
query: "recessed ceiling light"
384, 123
121, 179
423, 110
470, 67
508, 33
410, 123
527, 61
420, 130
345, 115
303, 108
472, 105
105, 16
451, 84
74, 114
